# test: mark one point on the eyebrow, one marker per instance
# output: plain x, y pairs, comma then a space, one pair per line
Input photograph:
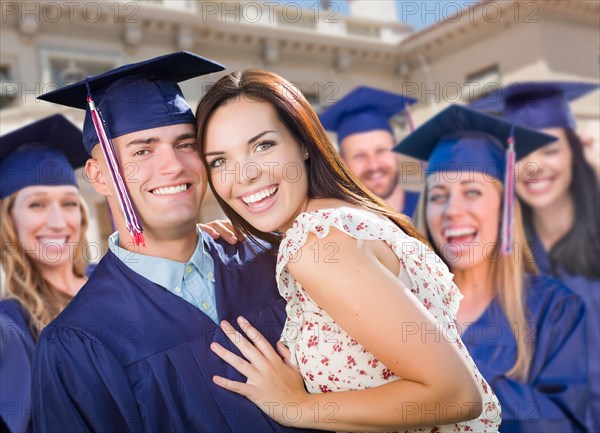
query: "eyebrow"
149, 140
44, 194
252, 140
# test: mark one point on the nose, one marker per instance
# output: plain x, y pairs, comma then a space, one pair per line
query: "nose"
250, 171
454, 206
56, 218
170, 162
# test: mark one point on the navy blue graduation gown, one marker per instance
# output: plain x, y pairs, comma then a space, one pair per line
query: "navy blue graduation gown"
126, 355
554, 397
16, 353
589, 290
16, 350
411, 199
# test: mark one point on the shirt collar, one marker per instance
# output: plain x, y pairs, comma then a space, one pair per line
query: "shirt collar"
164, 272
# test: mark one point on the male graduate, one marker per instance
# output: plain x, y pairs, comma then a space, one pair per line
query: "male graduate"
365, 138
131, 351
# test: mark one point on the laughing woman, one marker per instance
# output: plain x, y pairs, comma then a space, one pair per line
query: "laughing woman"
526, 332
352, 271
42, 233
560, 196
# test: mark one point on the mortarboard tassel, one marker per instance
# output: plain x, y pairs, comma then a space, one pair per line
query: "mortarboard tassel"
133, 225
506, 245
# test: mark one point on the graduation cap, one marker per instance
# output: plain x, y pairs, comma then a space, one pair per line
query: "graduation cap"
42, 153
461, 139
535, 104
128, 99
362, 110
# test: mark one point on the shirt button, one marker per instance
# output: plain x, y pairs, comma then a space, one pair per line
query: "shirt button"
177, 289
205, 305
188, 269
209, 274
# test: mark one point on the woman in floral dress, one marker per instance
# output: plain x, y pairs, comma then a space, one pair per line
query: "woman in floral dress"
370, 330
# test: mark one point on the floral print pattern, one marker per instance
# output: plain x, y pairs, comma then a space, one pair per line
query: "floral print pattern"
329, 359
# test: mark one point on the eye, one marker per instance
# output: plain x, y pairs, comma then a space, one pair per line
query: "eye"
188, 145
437, 198
216, 163
71, 204
473, 193
551, 151
36, 205
264, 145
142, 152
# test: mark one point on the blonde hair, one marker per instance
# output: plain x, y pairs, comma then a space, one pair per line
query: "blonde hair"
24, 281
508, 276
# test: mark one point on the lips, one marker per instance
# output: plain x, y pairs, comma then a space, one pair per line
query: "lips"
538, 186
170, 190
261, 199
46, 241
459, 234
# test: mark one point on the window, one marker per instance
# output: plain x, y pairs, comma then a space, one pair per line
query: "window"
481, 82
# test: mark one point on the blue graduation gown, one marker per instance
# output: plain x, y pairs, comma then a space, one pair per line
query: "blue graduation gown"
126, 355
589, 290
16, 353
554, 397
411, 199
16, 350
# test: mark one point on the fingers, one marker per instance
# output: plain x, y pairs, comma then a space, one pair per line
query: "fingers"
232, 385
225, 229
232, 359
260, 342
210, 231
247, 349
286, 355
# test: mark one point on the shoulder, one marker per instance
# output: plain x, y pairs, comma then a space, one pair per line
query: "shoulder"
550, 299
13, 316
240, 253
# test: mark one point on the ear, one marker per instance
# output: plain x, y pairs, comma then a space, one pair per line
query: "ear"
93, 171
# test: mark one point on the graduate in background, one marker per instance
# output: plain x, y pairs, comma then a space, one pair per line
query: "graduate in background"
43, 237
526, 332
365, 140
560, 198
131, 351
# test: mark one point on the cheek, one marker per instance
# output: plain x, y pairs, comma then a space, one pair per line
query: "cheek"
434, 221
221, 185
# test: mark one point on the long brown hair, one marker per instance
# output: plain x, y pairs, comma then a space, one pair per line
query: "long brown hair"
328, 176
509, 280
24, 281
577, 251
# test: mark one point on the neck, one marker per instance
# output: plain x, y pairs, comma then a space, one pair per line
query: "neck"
554, 221
474, 281
178, 246
63, 278
396, 199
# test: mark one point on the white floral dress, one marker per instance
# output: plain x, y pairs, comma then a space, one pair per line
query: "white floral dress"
329, 359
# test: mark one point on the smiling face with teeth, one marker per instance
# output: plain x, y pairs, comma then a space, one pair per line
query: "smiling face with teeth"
544, 177
165, 178
462, 214
256, 165
370, 157
47, 220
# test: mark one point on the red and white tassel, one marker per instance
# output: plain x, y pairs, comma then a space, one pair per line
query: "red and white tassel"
133, 225
506, 246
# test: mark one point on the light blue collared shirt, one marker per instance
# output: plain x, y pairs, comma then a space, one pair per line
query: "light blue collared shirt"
193, 281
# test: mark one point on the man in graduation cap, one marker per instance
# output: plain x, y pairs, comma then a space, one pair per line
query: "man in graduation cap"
131, 351
365, 138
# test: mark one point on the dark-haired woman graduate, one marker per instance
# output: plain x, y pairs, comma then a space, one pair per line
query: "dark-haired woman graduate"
560, 196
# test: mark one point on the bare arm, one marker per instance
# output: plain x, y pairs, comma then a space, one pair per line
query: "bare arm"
370, 304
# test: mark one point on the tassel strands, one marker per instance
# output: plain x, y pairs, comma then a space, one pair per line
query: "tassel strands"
133, 225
